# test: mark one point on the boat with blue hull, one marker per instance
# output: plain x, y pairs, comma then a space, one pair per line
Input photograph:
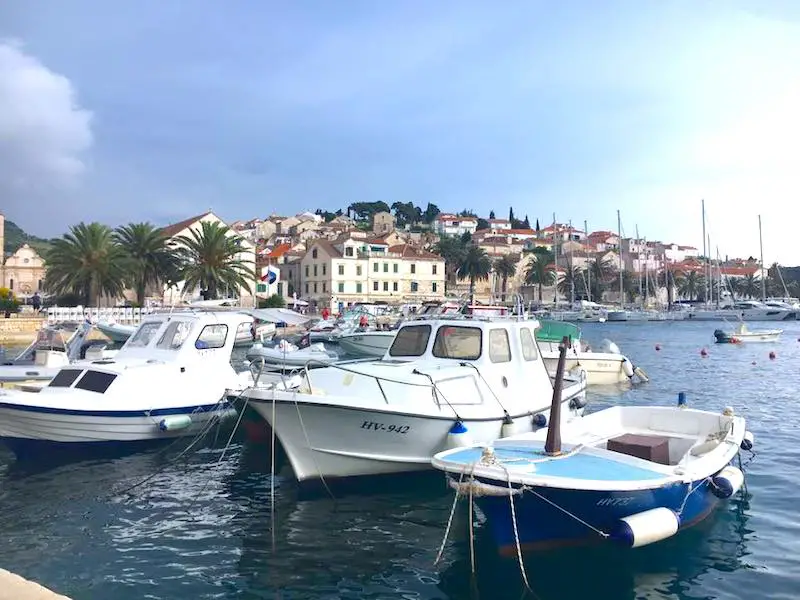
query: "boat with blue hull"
628, 475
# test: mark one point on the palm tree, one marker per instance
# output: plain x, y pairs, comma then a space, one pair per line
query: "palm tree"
539, 272
87, 262
570, 281
452, 250
602, 272
690, 285
751, 286
476, 266
505, 267
210, 258
630, 285
150, 259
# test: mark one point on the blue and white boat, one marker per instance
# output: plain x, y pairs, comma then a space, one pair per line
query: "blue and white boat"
168, 380
629, 475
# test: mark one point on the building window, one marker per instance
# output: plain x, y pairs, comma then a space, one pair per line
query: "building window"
341, 269
385, 286
358, 288
324, 269
385, 267
413, 268
306, 270
433, 286
414, 286
315, 270
394, 286
306, 288
341, 288
375, 285
11, 284
314, 253
394, 267
375, 267
315, 287
358, 270
433, 269
324, 287
348, 251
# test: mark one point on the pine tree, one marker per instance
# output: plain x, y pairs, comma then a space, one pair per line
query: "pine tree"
526, 224
538, 229
491, 214
511, 215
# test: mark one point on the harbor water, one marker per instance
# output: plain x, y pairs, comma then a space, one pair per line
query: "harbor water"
165, 525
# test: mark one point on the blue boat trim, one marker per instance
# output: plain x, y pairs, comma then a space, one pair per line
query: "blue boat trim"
158, 412
583, 466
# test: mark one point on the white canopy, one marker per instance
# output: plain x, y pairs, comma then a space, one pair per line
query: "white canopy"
279, 315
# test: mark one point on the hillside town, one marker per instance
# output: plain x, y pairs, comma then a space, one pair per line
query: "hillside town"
372, 253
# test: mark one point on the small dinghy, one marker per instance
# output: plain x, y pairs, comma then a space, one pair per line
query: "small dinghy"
286, 355
168, 380
630, 475
367, 343
116, 332
743, 335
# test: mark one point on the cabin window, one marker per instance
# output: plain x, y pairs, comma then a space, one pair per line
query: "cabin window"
245, 329
174, 335
462, 343
65, 377
528, 344
411, 340
144, 334
95, 381
212, 336
499, 348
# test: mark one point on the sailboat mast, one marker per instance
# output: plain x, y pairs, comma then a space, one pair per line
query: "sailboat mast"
709, 279
761, 247
555, 254
619, 237
571, 270
588, 266
639, 261
705, 253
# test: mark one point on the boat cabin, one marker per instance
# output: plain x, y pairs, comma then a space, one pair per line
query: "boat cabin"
504, 350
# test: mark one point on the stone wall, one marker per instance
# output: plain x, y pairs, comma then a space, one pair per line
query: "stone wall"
19, 329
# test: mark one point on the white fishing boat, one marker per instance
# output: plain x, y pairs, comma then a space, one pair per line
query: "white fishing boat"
168, 380
627, 475
53, 348
605, 367
367, 343
743, 335
117, 332
442, 382
286, 355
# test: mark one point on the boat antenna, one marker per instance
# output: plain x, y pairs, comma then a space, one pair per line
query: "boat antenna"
507, 417
438, 392
552, 445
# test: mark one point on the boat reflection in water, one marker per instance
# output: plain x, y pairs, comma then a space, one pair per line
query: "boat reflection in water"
668, 570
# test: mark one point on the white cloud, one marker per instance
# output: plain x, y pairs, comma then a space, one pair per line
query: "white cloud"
43, 132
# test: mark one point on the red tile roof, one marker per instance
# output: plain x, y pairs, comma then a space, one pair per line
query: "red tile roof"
279, 250
176, 228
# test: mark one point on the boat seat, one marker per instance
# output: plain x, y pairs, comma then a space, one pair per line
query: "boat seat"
654, 448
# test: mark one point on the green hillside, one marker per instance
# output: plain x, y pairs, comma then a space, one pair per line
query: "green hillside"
15, 237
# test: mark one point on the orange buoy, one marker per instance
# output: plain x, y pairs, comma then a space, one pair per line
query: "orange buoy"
658, 348
772, 355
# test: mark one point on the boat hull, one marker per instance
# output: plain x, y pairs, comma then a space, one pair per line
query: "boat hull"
332, 441
599, 370
366, 344
29, 429
541, 525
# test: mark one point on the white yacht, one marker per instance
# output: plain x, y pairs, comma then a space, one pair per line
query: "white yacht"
168, 380
442, 382
745, 310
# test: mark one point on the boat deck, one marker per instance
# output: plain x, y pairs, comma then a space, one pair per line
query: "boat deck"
582, 465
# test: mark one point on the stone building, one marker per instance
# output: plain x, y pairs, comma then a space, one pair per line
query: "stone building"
23, 271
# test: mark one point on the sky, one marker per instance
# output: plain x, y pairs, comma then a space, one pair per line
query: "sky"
161, 109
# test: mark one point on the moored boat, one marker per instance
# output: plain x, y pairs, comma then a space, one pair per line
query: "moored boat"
629, 475
602, 368
168, 380
367, 343
442, 382
743, 335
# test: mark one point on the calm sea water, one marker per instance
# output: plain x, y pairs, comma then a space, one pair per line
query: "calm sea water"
204, 525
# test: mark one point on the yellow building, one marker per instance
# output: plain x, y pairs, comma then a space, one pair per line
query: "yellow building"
354, 268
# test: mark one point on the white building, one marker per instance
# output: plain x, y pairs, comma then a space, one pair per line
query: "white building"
449, 224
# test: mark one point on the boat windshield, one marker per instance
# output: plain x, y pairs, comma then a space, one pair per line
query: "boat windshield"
411, 340
144, 334
174, 335
462, 343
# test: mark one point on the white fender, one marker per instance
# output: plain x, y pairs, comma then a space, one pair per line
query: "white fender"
646, 527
